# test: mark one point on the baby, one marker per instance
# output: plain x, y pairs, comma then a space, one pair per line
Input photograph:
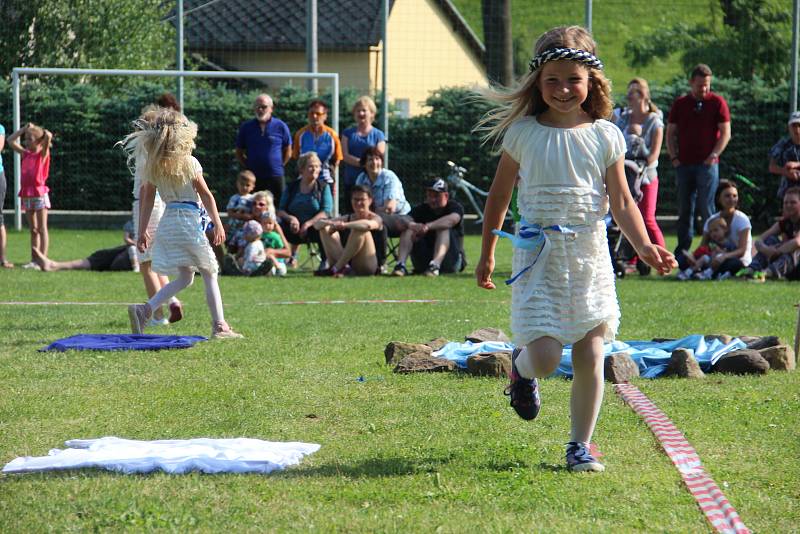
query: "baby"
637, 149
700, 260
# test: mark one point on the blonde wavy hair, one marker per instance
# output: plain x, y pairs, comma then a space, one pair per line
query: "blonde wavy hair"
164, 139
526, 98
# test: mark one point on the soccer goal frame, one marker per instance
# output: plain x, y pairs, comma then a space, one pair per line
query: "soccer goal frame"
180, 74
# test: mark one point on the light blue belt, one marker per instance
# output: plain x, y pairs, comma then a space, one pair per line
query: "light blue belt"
533, 237
205, 220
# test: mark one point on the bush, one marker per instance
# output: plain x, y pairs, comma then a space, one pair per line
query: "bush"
89, 173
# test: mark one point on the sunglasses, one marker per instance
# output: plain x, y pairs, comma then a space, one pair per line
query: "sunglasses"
698, 106
261, 203
317, 113
262, 107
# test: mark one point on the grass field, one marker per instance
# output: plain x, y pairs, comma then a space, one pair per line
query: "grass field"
614, 23
400, 453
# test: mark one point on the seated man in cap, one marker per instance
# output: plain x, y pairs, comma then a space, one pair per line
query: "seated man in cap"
784, 156
435, 238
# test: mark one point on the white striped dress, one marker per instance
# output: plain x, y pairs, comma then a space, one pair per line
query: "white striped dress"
562, 182
180, 240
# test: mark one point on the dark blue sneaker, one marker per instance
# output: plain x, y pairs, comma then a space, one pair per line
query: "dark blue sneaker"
579, 458
524, 392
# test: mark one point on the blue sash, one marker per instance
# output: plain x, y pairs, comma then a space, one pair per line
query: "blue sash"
533, 237
205, 220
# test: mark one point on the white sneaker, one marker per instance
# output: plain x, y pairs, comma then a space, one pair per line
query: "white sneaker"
685, 274
157, 322
32, 265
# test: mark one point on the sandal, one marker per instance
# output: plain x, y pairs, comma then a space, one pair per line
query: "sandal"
5, 264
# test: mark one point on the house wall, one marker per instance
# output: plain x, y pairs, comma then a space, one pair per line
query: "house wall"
424, 55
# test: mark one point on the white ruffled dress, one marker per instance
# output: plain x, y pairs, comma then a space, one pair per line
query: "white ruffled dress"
562, 182
180, 240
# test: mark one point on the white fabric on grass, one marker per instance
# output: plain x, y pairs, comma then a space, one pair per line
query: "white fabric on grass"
237, 455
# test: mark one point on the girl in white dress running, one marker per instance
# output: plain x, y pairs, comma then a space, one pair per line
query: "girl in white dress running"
569, 160
180, 246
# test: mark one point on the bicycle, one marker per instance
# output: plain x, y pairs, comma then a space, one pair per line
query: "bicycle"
456, 180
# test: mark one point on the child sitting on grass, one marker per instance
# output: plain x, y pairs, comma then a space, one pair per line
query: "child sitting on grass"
779, 247
253, 254
700, 261
239, 207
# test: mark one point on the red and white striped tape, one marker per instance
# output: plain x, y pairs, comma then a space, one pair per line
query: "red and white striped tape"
719, 512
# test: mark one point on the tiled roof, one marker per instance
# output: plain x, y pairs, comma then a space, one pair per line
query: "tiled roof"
281, 25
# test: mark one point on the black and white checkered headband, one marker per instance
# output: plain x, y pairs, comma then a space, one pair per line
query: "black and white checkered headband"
574, 54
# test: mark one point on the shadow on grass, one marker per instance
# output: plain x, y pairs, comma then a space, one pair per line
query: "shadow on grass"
373, 467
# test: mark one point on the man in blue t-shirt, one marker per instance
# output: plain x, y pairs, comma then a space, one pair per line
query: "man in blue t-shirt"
263, 146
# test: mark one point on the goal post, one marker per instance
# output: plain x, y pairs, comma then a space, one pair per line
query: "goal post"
32, 71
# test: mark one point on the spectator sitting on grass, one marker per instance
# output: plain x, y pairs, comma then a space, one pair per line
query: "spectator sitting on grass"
700, 261
348, 241
738, 242
435, 238
779, 247
388, 198
784, 156
121, 258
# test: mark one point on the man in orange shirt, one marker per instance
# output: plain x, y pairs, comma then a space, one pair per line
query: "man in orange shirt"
320, 138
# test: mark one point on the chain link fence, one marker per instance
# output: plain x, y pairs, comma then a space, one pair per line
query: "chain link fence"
434, 57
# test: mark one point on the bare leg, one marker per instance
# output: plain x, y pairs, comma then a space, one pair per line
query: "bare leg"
587, 384
32, 226
360, 253
44, 235
540, 358
3, 239
406, 244
441, 246
49, 265
332, 244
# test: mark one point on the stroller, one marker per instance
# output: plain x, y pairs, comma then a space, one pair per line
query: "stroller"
622, 253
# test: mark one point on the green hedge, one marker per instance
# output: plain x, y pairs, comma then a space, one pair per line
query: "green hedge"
89, 173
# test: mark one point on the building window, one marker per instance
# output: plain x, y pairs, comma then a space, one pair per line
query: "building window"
402, 108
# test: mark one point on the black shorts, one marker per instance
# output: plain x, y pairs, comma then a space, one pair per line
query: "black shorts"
110, 259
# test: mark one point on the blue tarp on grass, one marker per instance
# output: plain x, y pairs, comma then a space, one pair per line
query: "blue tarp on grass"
652, 357
122, 342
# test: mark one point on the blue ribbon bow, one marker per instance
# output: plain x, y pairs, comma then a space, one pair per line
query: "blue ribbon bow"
532, 237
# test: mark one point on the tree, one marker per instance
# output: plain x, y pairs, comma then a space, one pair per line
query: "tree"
752, 40
85, 34
499, 58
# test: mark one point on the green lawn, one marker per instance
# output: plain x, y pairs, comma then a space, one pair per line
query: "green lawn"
613, 24
412, 453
